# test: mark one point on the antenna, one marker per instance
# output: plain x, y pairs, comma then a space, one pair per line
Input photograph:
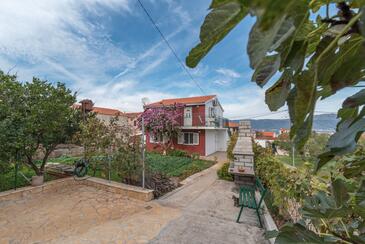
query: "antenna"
145, 101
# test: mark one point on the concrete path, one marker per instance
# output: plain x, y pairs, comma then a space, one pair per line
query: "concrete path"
208, 214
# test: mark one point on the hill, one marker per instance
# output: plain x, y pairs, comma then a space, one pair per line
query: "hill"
322, 122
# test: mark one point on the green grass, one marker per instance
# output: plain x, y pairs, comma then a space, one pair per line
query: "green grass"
286, 159
64, 160
7, 179
172, 166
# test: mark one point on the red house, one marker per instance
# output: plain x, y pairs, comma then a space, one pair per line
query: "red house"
202, 126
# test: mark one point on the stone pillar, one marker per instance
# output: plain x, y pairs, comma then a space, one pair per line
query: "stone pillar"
243, 165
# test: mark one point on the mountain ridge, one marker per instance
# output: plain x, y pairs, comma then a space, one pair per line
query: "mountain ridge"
321, 123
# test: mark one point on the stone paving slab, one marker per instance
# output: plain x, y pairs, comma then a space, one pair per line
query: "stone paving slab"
210, 218
81, 214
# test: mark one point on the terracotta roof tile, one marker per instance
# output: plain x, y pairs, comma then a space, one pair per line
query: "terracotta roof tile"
185, 100
233, 124
100, 110
106, 111
132, 115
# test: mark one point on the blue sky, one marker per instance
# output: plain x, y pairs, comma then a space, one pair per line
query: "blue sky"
108, 51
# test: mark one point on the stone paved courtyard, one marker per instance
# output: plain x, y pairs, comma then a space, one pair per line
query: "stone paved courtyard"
81, 214
201, 211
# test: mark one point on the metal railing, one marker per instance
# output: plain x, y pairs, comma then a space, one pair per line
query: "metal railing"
204, 121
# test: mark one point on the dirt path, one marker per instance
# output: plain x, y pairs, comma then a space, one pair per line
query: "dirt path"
208, 214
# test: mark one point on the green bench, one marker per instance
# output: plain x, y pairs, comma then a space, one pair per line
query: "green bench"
247, 198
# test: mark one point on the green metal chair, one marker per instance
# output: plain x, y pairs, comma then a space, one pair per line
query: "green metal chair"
247, 198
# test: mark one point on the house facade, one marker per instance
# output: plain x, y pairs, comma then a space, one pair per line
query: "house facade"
132, 119
264, 138
202, 126
104, 114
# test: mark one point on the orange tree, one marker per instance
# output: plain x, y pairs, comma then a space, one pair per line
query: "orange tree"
317, 55
34, 116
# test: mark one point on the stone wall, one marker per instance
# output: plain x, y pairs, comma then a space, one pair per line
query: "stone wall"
70, 150
7, 197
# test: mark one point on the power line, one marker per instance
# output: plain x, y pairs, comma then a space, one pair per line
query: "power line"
258, 115
172, 50
271, 113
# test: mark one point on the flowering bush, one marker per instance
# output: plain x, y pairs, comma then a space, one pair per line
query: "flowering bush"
163, 123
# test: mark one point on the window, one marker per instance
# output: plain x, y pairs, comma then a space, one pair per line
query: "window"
187, 112
211, 112
188, 138
156, 138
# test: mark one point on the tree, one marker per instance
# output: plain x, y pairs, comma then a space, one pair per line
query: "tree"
35, 116
163, 123
317, 56
11, 117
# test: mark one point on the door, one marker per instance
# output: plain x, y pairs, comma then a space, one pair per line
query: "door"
188, 116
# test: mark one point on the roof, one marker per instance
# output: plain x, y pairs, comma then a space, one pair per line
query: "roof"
106, 111
265, 135
184, 100
132, 115
101, 110
233, 124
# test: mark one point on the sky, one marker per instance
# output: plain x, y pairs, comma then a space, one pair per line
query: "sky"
108, 51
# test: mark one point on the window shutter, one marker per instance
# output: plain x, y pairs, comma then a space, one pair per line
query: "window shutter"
180, 138
196, 138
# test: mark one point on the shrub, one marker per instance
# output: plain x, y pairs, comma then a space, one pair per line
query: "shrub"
230, 147
223, 173
195, 156
177, 153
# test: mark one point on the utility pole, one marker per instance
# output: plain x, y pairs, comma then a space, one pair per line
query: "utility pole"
143, 155
292, 145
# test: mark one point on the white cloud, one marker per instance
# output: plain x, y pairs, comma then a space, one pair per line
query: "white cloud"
55, 37
222, 82
228, 73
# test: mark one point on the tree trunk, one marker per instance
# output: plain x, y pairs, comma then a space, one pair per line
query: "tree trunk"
45, 158
33, 166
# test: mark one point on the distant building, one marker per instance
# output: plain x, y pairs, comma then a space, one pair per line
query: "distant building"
264, 138
132, 119
232, 127
104, 114
284, 131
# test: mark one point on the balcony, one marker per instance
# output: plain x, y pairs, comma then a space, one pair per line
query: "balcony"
202, 121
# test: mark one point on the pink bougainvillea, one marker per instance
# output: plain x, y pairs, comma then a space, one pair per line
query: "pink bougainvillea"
163, 122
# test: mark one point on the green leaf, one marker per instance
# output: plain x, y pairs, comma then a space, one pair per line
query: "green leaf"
354, 168
297, 233
218, 3
301, 108
274, 12
261, 42
342, 66
296, 56
347, 113
355, 100
218, 23
271, 234
322, 205
362, 19
276, 95
339, 192
266, 69
360, 200
343, 141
